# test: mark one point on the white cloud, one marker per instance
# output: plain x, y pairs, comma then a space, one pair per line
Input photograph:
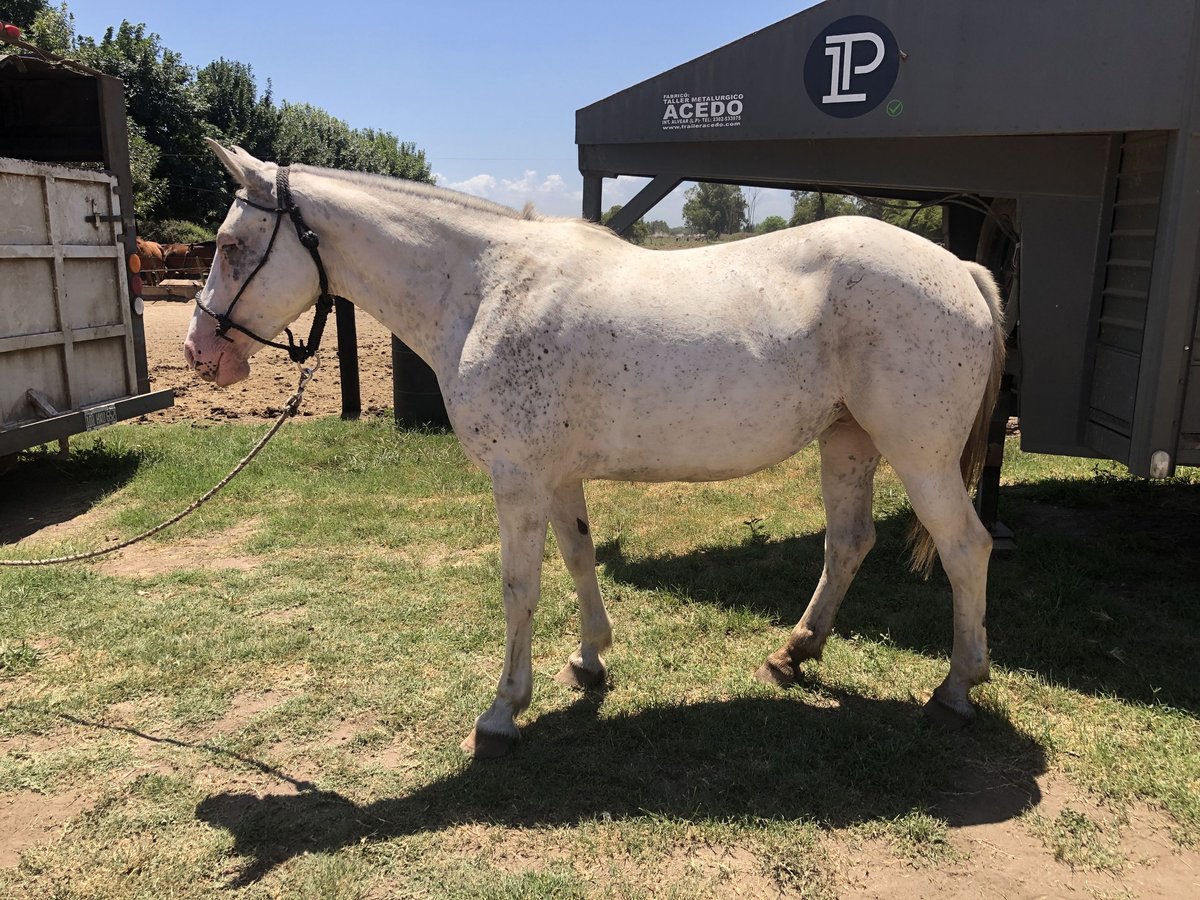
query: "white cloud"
479, 185
551, 193
557, 195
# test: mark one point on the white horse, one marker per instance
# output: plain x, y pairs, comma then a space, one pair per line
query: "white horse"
564, 353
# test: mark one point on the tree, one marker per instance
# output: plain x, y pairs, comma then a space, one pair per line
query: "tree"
908, 214
637, 233
813, 206
309, 134
21, 12
148, 191
52, 30
719, 208
771, 223
383, 153
658, 226
162, 98
173, 107
233, 108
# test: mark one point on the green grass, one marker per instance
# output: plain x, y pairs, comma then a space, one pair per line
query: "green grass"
293, 728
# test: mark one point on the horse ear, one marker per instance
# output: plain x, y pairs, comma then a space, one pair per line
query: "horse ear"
246, 170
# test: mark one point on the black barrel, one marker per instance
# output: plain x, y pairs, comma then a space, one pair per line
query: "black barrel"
415, 394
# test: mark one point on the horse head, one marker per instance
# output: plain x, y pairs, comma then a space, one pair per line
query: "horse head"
262, 278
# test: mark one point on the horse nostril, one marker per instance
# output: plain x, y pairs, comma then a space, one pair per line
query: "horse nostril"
188, 354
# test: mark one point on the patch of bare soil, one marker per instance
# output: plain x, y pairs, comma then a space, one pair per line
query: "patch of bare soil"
1008, 859
28, 818
208, 552
244, 707
273, 376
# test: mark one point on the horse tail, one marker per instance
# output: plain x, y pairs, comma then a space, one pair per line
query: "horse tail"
974, 454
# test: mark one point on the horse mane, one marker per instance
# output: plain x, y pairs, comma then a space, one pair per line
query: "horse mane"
389, 184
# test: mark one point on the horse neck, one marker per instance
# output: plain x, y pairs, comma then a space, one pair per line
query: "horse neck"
408, 260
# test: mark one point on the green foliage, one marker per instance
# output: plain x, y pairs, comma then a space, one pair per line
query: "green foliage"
233, 108
161, 97
308, 134
812, 206
148, 191
908, 214
52, 29
716, 208
173, 107
383, 153
658, 226
175, 231
21, 12
771, 223
637, 233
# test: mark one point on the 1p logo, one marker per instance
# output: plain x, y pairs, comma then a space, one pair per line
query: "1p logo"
852, 66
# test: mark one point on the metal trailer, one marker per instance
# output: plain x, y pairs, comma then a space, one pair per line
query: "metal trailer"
1062, 136
72, 342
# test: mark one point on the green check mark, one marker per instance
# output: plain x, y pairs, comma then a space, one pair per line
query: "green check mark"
895, 107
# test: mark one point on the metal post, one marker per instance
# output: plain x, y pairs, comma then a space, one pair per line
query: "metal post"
347, 335
593, 197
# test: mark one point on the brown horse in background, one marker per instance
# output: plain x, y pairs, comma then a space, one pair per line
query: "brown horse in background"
154, 267
189, 260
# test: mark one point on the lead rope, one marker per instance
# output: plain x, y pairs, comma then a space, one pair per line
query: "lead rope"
289, 409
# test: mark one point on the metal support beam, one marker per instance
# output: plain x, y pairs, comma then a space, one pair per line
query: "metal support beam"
645, 201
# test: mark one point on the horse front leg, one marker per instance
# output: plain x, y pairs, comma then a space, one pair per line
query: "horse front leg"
522, 510
568, 515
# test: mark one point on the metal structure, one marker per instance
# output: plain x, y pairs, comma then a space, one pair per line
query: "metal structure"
1062, 137
72, 341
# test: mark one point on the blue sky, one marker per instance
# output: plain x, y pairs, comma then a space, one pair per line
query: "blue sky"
488, 89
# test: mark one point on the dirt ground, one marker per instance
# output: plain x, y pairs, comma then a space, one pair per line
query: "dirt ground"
273, 376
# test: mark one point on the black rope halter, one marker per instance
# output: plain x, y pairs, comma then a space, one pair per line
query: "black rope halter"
299, 352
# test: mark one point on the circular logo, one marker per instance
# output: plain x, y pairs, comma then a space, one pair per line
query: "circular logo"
851, 67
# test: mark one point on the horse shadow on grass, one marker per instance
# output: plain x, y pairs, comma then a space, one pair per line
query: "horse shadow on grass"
1101, 594
849, 760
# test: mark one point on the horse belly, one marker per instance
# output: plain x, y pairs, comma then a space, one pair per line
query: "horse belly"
707, 426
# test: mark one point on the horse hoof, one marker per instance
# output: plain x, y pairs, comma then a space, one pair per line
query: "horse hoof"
487, 744
946, 716
776, 674
580, 679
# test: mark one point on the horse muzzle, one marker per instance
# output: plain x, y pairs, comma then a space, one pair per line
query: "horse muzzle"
222, 366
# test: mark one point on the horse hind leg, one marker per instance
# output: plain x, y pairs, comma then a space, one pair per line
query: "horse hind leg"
848, 461
568, 516
964, 546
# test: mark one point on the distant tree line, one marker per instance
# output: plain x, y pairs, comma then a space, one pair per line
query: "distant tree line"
181, 190
721, 209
